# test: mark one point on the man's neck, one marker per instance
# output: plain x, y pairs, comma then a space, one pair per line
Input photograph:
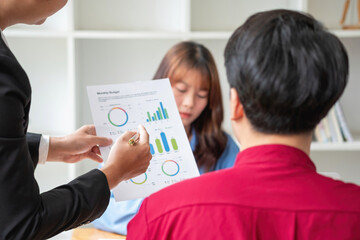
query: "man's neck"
300, 141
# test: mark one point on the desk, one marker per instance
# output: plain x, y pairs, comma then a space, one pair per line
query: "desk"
93, 234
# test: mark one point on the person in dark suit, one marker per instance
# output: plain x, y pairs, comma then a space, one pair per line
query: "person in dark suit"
25, 213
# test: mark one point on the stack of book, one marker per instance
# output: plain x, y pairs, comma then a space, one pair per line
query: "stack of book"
333, 127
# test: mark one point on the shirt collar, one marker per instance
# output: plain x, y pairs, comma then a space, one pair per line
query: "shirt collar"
274, 154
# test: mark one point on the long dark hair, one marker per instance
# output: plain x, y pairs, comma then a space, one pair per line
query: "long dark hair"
211, 139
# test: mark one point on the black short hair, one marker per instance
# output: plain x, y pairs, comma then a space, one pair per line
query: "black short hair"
288, 70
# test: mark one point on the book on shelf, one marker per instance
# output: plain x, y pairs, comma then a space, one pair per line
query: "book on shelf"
343, 126
333, 127
320, 133
325, 124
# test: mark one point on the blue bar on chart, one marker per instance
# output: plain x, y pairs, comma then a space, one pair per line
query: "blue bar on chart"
163, 111
159, 114
162, 144
152, 151
165, 142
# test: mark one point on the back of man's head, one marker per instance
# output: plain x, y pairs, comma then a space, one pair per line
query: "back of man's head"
287, 69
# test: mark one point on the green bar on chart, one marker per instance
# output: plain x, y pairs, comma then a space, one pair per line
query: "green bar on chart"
161, 117
174, 144
166, 114
158, 145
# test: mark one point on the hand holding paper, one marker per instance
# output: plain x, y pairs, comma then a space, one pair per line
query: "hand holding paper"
81, 144
117, 111
126, 161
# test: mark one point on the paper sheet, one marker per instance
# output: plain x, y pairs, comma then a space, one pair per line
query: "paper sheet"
121, 107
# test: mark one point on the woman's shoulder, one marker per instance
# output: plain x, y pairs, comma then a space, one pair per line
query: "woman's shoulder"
227, 158
231, 142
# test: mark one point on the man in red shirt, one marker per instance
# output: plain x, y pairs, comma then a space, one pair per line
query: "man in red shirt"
285, 72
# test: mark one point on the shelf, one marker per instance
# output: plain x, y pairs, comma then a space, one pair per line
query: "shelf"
209, 15
222, 35
151, 35
155, 15
107, 34
126, 35
93, 34
344, 146
28, 33
347, 146
346, 33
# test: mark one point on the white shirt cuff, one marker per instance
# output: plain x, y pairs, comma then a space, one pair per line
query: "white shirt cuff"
43, 148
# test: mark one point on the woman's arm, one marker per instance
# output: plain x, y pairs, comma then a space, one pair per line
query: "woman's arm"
118, 215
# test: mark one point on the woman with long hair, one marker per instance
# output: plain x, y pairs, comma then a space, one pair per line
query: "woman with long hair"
196, 87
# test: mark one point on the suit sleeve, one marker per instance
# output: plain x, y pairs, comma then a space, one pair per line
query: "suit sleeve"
71, 205
25, 213
33, 141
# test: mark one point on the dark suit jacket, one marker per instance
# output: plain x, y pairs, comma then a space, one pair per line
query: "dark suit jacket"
24, 212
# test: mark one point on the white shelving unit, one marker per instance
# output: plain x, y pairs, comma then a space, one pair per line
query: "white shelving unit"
91, 42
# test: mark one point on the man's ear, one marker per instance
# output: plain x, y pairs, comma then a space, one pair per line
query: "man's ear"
236, 108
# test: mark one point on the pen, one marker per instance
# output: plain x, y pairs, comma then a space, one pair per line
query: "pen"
133, 139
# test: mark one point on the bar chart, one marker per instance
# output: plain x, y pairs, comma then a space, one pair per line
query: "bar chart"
162, 144
160, 114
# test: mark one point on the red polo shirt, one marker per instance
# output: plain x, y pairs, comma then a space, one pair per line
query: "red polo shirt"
272, 192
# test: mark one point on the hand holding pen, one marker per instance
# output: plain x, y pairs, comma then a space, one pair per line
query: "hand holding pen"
129, 157
133, 139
